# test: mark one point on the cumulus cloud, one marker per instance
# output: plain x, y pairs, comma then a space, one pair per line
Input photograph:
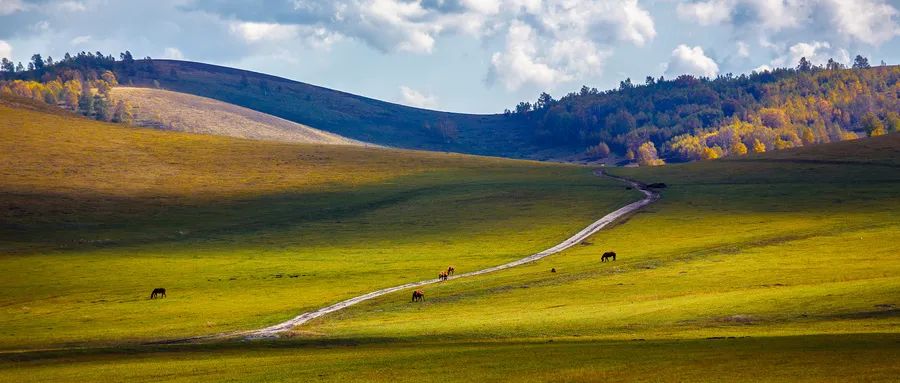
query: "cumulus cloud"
519, 64
692, 61
817, 52
412, 97
551, 42
542, 41
5, 50
871, 22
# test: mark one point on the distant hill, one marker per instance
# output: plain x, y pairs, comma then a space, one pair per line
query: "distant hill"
183, 112
348, 115
656, 121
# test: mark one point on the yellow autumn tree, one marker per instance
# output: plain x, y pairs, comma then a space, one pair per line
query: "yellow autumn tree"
758, 146
647, 155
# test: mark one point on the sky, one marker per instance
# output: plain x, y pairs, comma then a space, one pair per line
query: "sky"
475, 56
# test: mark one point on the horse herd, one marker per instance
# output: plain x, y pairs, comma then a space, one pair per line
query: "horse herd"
418, 295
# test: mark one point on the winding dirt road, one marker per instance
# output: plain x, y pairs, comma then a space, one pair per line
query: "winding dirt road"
649, 197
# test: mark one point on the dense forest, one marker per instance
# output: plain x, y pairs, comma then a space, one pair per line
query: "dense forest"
690, 118
681, 119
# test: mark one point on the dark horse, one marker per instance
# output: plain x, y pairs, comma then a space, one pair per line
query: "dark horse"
451, 270
607, 255
442, 275
158, 292
418, 295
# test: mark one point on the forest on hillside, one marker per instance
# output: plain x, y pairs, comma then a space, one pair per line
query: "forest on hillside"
689, 118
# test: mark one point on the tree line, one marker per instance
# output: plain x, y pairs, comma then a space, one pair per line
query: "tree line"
80, 83
689, 118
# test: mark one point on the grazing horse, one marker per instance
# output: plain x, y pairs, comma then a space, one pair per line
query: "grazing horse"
553, 270
451, 270
158, 292
418, 295
607, 255
442, 275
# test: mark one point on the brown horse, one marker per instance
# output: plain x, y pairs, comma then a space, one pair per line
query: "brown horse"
607, 255
418, 295
158, 292
442, 275
451, 270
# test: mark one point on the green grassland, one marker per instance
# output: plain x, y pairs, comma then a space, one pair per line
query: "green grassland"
242, 233
775, 267
802, 242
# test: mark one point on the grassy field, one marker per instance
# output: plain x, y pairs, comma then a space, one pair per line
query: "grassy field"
801, 242
775, 267
183, 112
245, 233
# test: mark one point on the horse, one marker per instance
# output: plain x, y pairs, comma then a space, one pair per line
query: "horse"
418, 295
553, 270
607, 255
451, 270
158, 292
442, 275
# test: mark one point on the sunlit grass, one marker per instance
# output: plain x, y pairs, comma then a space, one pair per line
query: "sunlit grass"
244, 234
728, 251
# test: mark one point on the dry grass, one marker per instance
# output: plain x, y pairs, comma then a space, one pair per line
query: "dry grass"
163, 109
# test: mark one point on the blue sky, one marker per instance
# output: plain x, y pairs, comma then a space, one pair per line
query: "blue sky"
476, 56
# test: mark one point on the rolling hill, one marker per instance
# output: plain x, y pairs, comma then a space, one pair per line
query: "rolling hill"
348, 115
793, 251
244, 233
183, 112
674, 120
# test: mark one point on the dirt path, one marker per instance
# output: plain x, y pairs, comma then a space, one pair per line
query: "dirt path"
649, 197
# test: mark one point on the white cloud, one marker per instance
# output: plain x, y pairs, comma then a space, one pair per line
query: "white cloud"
544, 41
253, 32
80, 40
5, 50
743, 49
763, 68
8, 7
520, 62
817, 52
547, 43
173, 53
871, 22
412, 97
258, 33
705, 12
691, 60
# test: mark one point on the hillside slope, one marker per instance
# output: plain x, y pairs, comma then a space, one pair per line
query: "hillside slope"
245, 233
796, 243
348, 115
183, 112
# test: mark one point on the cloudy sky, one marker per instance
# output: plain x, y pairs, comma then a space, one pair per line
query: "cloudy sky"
462, 55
